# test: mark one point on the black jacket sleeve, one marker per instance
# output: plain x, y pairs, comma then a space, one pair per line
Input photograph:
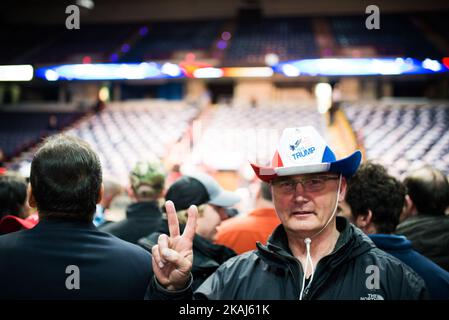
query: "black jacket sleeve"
157, 292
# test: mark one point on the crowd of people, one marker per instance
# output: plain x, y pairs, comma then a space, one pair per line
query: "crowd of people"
320, 228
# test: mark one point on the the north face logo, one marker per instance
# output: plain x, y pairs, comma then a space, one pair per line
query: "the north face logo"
372, 296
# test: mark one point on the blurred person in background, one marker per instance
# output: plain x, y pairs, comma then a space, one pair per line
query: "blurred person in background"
243, 232
376, 200
335, 103
112, 189
52, 125
144, 216
14, 209
425, 223
174, 174
2, 159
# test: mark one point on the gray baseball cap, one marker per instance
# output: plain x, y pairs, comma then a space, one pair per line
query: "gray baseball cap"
217, 195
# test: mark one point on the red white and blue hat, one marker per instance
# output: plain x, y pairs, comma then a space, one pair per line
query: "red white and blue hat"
302, 150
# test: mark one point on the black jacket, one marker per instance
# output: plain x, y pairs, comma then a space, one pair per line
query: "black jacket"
34, 264
271, 272
207, 256
142, 218
429, 236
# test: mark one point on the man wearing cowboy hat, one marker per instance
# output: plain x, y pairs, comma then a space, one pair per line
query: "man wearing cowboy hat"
312, 255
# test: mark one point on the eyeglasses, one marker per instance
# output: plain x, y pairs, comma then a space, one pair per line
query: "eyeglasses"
310, 184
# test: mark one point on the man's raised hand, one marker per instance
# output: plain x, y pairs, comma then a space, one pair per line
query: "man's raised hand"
173, 255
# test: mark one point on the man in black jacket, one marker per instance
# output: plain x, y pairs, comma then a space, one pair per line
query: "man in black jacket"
312, 255
143, 217
65, 256
427, 226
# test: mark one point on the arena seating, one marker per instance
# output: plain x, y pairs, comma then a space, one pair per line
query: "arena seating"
130, 131
165, 38
232, 136
399, 134
289, 38
52, 44
398, 36
437, 22
403, 135
19, 130
20, 40
126, 132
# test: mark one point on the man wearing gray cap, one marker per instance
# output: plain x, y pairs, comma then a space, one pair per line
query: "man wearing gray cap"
213, 203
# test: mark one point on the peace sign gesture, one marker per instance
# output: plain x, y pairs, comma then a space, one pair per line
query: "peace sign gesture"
173, 256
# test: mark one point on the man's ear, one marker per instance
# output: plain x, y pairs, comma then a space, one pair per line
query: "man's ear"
408, 210
222, 213
343, 189
31, 199
100, 194
363, 220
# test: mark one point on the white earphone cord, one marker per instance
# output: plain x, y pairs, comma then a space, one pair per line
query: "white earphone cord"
308, 241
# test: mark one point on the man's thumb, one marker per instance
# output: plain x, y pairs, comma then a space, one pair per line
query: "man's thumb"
169, 254
175, 258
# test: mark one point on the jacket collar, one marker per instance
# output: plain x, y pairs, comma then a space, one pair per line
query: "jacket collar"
351, 242
391, 242
279, 237
55, 223
142, 209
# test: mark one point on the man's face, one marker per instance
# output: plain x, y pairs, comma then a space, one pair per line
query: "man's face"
208, 222
304, 208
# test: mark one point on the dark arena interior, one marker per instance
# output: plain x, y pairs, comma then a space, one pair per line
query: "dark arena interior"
209, 86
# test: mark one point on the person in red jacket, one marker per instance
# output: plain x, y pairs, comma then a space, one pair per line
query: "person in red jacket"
14, 210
